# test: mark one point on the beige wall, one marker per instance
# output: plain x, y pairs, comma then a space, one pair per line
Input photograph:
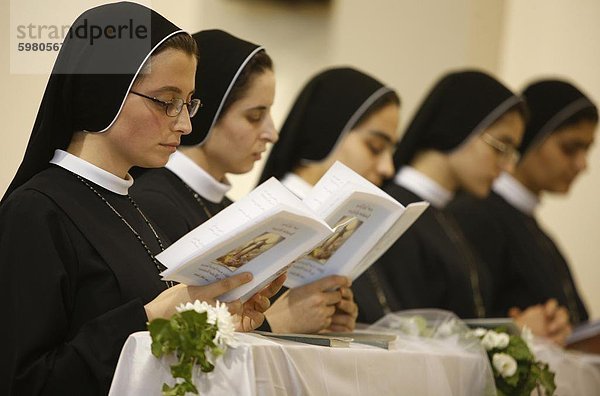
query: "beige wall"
405, 43
560, 38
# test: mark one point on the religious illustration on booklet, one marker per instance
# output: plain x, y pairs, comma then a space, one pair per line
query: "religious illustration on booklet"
246, 252
342, 227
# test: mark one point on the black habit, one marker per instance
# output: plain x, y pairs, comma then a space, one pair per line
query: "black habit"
432, 265
527, 266
328, 107
175, 206
170, 203
74, 276
75, 281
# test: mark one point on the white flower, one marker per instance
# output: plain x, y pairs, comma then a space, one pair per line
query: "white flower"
489, 340
505, 364
218, 315
446, 329
198, 306
226, 329
502, 340
413, 326
527, 336
479, 332
493, 340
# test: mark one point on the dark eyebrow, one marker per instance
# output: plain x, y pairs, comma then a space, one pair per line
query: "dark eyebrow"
382, 135
257, 108
579, 144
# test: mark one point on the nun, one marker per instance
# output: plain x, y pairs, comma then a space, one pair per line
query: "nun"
77, 253
236, 82
463, 135
530, 269
342, 114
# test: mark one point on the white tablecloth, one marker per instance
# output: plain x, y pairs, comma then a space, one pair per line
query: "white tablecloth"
577, 374
264, 366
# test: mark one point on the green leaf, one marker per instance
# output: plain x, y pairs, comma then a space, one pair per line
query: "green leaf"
190, 337
512, 380
546, 378
518, 349
179, 389
183, 370
162, 336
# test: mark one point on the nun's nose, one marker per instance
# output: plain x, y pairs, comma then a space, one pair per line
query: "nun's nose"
270, 133
386, 165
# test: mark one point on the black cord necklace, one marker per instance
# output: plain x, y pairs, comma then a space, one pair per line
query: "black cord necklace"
198, 199
455, 234
158, 265
378, 289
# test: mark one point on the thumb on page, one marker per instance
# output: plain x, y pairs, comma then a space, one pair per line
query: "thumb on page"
219, 287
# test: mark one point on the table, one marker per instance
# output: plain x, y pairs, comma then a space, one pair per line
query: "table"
266, 366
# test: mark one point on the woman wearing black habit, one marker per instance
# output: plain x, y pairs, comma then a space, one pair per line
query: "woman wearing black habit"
236, 82
345, 115
463, 135
77, 253
529, 268
192, 186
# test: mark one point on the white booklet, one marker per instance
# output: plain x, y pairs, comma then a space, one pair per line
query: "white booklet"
342, 227
261, 233
365, 221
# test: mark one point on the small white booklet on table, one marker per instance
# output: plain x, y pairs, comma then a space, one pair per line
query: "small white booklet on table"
341, 227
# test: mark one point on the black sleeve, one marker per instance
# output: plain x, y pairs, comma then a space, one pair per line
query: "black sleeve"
45, 352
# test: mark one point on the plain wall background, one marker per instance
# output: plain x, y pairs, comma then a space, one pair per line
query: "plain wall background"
406, 44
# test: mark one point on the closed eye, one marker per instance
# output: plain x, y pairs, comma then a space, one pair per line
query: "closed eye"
255, 115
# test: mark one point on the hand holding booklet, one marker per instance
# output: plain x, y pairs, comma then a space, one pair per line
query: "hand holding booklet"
341, 227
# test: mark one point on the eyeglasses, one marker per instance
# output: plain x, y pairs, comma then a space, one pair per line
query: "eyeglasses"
507, 152
174, 106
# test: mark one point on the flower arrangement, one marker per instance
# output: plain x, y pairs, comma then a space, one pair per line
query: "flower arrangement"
198, 334
516, 371
514, 368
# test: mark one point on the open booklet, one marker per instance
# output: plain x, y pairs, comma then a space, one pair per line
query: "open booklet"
365, 222
342, 227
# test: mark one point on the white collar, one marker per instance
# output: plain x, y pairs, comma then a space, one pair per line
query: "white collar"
424, 186
197, 178
296, 184
515, 193
91, 172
